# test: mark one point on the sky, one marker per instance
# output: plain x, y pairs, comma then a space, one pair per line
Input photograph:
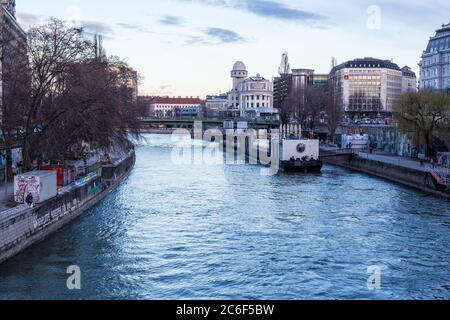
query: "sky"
188, 47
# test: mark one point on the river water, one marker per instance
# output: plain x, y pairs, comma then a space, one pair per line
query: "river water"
228, 232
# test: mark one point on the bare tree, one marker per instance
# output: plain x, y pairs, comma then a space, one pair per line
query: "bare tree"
314, 106
77, 96
334, 62
98, 111
53, 50
286, 102
333, 112
285, 67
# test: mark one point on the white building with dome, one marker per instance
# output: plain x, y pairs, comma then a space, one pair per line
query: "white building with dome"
250, 97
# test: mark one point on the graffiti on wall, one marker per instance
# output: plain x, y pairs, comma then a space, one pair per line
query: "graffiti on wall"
26, 185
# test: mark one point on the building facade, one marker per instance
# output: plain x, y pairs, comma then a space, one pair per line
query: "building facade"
435, 63
293, 86
214, 105
409, 80
166, 107
370, 87
13, 41
10, 6
320, 79
250, 97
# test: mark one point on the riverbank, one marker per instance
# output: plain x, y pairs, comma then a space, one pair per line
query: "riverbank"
396, 169
23, 226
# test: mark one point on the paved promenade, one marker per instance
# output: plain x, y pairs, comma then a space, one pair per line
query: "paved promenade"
395, 160
405, 162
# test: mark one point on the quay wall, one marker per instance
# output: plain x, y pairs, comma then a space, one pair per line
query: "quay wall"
417, 179
23, 226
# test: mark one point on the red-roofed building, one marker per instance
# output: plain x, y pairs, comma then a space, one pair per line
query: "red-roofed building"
170, 107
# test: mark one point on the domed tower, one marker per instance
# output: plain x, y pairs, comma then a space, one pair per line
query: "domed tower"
238, 73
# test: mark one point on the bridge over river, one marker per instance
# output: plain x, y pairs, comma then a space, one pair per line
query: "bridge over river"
152, 124
182, 123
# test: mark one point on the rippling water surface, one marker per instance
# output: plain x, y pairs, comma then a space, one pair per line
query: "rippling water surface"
227, 232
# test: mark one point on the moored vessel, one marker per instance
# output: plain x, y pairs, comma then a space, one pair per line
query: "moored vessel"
300, 155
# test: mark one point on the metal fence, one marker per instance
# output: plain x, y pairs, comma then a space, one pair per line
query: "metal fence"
442, 171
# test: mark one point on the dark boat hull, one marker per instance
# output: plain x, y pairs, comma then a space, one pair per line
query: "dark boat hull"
302, 166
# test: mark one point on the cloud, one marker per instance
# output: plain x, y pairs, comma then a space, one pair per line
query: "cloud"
96, 27
128, 26
163, 90
132, 27
277, 10
215, 36
171, 21
165, 87
29, 19
266, 8
224, 35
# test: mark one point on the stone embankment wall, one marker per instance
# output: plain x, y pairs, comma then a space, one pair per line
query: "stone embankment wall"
420, 180
23, 226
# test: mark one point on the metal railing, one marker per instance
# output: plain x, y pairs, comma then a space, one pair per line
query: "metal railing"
442, 172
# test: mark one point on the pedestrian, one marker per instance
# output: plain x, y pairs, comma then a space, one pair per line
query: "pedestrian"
29, 200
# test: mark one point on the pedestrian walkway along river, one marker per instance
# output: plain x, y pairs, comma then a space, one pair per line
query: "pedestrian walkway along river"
226, 231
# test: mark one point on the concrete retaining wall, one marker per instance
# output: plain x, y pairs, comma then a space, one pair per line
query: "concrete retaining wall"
409, 177
24, 226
